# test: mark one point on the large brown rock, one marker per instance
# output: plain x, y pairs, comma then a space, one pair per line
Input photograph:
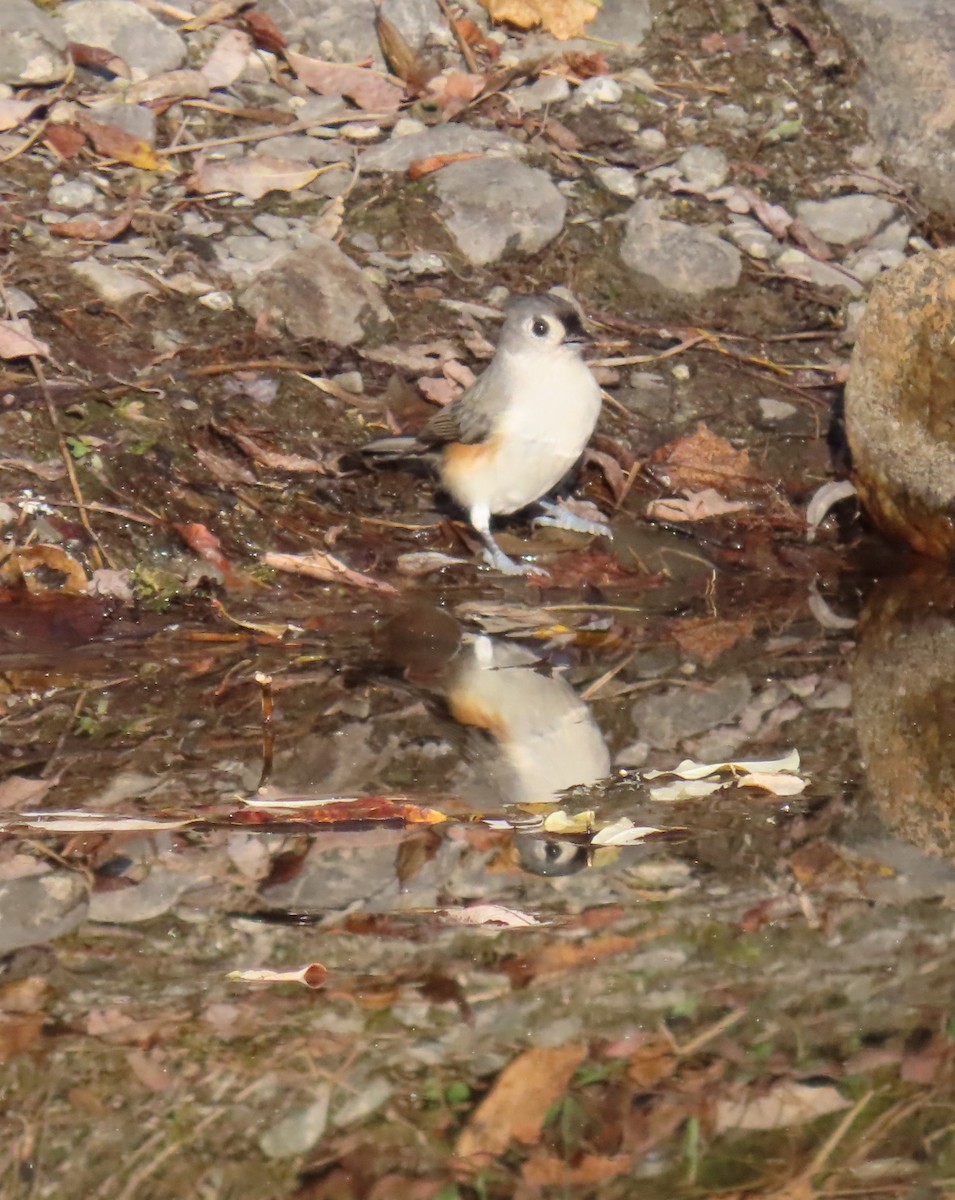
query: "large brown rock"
900, 404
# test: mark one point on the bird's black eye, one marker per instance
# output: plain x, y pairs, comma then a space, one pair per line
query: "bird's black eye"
540, 328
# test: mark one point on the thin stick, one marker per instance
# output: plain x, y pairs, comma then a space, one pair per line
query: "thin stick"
262, 135
466, 51
99, 555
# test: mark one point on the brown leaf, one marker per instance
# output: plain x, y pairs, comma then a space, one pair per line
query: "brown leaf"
43, 568
90, 230
563, 18
561, 136
406, 63
618, 480
517, 1105
204, 542
586, 66
264, 32
369, 89
543, 1169
219, 10
252, 176
295, 464
706, 639
98, 58
113, 142
704, 460
66, 140
318, 564
228, 58
338, 812
694, 506
19, 1033
455, 92
651, 1063
17, 340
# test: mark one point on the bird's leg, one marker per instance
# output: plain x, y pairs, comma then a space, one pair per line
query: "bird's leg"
494, 556
559, 516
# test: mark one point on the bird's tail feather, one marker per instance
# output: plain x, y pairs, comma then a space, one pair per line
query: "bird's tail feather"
392, 447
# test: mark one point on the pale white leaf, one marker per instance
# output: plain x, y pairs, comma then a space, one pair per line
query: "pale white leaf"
822, 500
779, 785
623, 833
17, 340
688, 769
685, 789
487, 914
786, 1103
313, 976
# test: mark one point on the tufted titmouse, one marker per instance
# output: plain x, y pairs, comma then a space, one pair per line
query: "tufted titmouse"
513, 435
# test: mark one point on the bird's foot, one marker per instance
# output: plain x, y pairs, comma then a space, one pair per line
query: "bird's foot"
499, 561
560, 516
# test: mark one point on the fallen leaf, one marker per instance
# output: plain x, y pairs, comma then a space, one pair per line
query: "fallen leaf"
16, 790
313, 976
623, 832
406, 63
688, 769
219, 10
90, 230
19, 1033
17, 340
586, 66
113, 142
369, 89
563, 18
335, 812
228, 58
185, 83
43, 568
561, 136
706, 639
420, 358
779, 785
427, 166
455, 91
150, 1071
686, 789
787, 1103
275, 460
703, 460
90, 822
252, 176
696, 506
417, 563
823, 499
204, 542
487, 914
329, 220
516, 1107
543, 1169
264, 32
98, 58
318, 564
67, 140
15, 112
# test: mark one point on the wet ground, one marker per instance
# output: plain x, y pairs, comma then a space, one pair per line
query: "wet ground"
422, 803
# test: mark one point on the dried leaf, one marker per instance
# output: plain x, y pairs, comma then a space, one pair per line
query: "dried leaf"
399, 55
204, 542
17, 340
98, 58
313, 976
551, 1170
779, 785
113, 142
786, 1103
320, 565
228, 58
253, 176
312, 811
706, 639
66, 140
563, 18
561, 136
219, 10
688, 769
264, 32
294, 464
369, 89
15, 112
170, 85
434, 162
686, 789
329, 220
487, 914
697, 506
43, 568
623, 833
454, 92
90, 230
703, 460
517, 1105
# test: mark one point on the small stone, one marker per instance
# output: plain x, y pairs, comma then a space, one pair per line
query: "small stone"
300, 1130
752, 238
40, 908
618, 181
360, 131
652, 140
867, 264
495, 206
681, 373
274, 227
217, 301
364, 241
634, 755
73, 195
248, 247
599, 89
397, 154
19, 302
704, 167
773, 411
733, 115
625, 23
32, 45
350, 381
406, 126
845, 219
639, 78
497, 296
802, 266
681, 258
112, 284
549, 89
142, 41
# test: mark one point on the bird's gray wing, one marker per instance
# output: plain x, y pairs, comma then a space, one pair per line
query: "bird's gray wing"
469, 418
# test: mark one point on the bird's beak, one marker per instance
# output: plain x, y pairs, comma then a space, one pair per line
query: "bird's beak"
577, 338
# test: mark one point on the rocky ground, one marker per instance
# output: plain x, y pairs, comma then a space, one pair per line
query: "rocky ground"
230, 256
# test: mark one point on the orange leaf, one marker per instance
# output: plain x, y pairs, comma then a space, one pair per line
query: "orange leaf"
563, 18
338, 812
434, 162
113, 142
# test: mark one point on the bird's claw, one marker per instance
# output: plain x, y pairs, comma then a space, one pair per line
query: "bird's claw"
558, 516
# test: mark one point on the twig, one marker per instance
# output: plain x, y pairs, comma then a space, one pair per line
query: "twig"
262, 135
697, 1043
633, 359
466, 51
98, 554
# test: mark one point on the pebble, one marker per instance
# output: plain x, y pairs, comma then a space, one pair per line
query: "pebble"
73, 195
704, 167
752, 238
685, 259
549, 89
272, 226
652, 140
599, 89
248, 248
111, 284
19, 302
846, 219
360, 131
217, 301
773, 411
494, 207
406, 126
802, 266
681, 373
639, 78
40, 908
618, 181
733, 115
350, 381
300, 1130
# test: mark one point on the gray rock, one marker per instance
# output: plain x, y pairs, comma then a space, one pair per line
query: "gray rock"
301, 147
549, 89
74, 194
344, 30
300, 1130
732, 115
618, 181
142, 41
493, 207
32, 45
249, 247
111, 284
704, 167
907, 86
19, 302
772, 411
625, 22
145, 901
846, 219
681, 258
316, 291
652, 140
135, 119
40, 908
599, 89
398, 153
272, 226
803, 266
665, 720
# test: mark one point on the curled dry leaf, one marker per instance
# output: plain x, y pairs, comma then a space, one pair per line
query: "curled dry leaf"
704, 460
487, 914
696, 506
170, 85
313, 811
264, 32
17, 340
228, 58
434, 162
688, 769
90, 230
320, 565
455, 91
43, 568
369, 89
406, 63
98, 58
113, 142
563, 18
204, 542
253, 176
14, 112
313, 976
787, 1103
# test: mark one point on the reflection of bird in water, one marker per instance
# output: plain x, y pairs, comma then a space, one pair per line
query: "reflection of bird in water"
545, 736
